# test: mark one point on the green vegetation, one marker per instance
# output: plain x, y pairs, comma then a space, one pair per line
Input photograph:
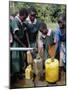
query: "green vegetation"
47, 12
52, 26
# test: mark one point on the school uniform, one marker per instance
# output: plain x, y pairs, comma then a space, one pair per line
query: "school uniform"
33, 29
17, 56
44, 41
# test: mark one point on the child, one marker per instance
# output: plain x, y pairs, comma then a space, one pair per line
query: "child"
45, 40
33, 25
18, 30
60, 40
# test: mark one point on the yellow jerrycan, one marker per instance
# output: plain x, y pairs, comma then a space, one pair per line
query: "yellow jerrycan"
51, 70
28, 72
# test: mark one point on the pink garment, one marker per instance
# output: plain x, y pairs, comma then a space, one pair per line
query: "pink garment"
40, 44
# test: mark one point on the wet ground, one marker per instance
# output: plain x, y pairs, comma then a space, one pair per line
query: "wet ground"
23, 83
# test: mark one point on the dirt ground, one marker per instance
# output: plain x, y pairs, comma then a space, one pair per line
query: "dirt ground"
37, 82
23, 83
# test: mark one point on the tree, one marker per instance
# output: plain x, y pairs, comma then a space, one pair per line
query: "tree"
46, 12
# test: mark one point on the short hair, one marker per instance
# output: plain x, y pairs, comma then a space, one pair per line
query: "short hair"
32, 9
62, 17
43, 26
23, 11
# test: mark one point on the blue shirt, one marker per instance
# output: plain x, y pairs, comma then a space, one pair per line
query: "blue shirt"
59, 37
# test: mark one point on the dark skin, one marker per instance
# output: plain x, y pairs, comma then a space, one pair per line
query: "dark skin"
32, 16
22, 18
62, 27
44, 31
18, 40
61, 23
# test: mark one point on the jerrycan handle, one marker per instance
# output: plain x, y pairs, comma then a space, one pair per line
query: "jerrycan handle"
52, 59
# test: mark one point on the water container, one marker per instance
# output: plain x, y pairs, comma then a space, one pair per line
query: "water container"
29, 57
51, 70
28, 72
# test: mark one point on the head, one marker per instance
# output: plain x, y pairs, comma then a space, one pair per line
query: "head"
43, 28
32, 14
62, 22
23, 14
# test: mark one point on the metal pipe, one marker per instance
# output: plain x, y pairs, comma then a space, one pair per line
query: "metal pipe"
20, 49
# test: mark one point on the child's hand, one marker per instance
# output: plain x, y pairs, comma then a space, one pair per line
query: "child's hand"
52, 58
51, 51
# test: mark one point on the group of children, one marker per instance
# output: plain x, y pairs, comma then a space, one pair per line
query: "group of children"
27, 31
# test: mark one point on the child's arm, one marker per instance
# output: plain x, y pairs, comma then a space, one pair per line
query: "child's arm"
15, 31
40, 46
53, 45
56, 42
18, 40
